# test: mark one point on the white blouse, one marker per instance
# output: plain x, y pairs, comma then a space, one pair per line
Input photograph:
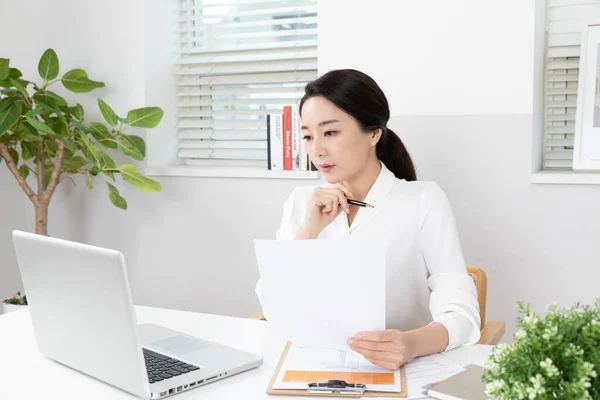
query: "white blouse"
426, 276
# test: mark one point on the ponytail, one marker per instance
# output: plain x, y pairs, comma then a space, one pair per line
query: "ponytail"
392, 152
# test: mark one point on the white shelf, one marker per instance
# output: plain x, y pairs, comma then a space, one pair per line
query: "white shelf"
229, 172
565, 178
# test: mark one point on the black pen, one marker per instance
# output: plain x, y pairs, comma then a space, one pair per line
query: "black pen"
359, 203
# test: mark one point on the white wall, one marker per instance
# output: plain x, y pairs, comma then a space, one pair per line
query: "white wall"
435, 57
460, 85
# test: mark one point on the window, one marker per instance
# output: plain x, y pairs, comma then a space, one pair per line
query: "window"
237, 62
565, 21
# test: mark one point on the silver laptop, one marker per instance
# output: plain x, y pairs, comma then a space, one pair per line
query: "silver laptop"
83, 317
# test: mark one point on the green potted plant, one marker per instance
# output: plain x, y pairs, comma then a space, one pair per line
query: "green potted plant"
14, 303
554, 357
45, 139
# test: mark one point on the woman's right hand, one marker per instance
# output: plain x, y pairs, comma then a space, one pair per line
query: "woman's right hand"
324, 205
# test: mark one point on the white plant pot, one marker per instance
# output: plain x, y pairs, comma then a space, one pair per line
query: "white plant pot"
6, 308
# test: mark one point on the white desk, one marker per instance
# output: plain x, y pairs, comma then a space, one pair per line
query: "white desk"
26, 374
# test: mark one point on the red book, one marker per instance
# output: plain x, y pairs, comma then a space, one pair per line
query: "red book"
287, 138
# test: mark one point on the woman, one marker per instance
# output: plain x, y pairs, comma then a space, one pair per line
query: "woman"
431, 302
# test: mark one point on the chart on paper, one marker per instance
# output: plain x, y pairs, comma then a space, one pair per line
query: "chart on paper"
308, 363
307, 356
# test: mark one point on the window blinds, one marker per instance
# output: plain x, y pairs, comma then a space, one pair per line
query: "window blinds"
565, 22
237, 61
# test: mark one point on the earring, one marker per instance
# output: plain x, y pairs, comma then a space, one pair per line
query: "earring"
373, 144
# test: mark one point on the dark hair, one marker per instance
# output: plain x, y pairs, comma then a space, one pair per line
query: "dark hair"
359, 95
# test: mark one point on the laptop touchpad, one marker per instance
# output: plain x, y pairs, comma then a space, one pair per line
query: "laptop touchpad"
180, 344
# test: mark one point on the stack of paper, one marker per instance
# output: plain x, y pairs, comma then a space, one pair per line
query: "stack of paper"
317, 294
324, 291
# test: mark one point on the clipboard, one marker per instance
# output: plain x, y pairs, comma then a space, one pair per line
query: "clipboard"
300, 392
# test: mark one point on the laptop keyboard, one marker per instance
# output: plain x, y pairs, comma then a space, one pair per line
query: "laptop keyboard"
160, 367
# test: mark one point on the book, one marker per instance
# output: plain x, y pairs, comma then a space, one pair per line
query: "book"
466, 385
268, 141
276, 138
287, 138
295, 138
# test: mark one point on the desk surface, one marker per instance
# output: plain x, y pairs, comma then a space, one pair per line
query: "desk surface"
26, 374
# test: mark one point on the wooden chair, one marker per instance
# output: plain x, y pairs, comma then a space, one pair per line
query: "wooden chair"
491, 332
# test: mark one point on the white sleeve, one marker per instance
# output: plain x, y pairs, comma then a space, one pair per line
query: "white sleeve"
287, 231
289, 224
453, 301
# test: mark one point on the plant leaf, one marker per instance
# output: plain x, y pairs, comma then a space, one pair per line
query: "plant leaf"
72, 147
39, 125
19, 87
75, 163
100, 132
9, 116
129, 148
60, 127
77, 125
50, 147
47, 175
147, 117
108, 113
4, 68
88, 182
27, 151
27, 136
115, 197
14, 155
6, 102
89, 149
49, 98
132, 175
76, 80
41, 109
24, 171
77, 111
139, 144
48, 65
110, 163
12, 73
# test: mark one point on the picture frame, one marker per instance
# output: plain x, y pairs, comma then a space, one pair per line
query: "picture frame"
586, 150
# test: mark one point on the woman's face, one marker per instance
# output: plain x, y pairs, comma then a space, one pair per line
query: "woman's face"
334, 141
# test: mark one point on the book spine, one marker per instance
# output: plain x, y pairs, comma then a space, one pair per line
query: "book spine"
276, 143
269, 161
287, 138
295, 138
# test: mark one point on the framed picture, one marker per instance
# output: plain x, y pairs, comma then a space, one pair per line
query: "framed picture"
586, 151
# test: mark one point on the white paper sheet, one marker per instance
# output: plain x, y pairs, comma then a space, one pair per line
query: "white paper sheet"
315, 358
323, 291
424, 370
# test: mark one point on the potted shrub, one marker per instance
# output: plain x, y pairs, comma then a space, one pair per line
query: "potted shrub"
44, 139
14, 303
553, 357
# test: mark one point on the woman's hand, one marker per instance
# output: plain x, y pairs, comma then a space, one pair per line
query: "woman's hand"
388, 349
324, 205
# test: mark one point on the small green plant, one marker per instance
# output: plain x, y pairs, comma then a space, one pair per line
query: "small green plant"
17, 299
44, 139
555, 357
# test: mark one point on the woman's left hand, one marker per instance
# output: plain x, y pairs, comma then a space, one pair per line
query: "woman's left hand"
388, 349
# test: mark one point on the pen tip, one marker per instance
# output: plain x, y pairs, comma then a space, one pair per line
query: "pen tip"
369, 206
